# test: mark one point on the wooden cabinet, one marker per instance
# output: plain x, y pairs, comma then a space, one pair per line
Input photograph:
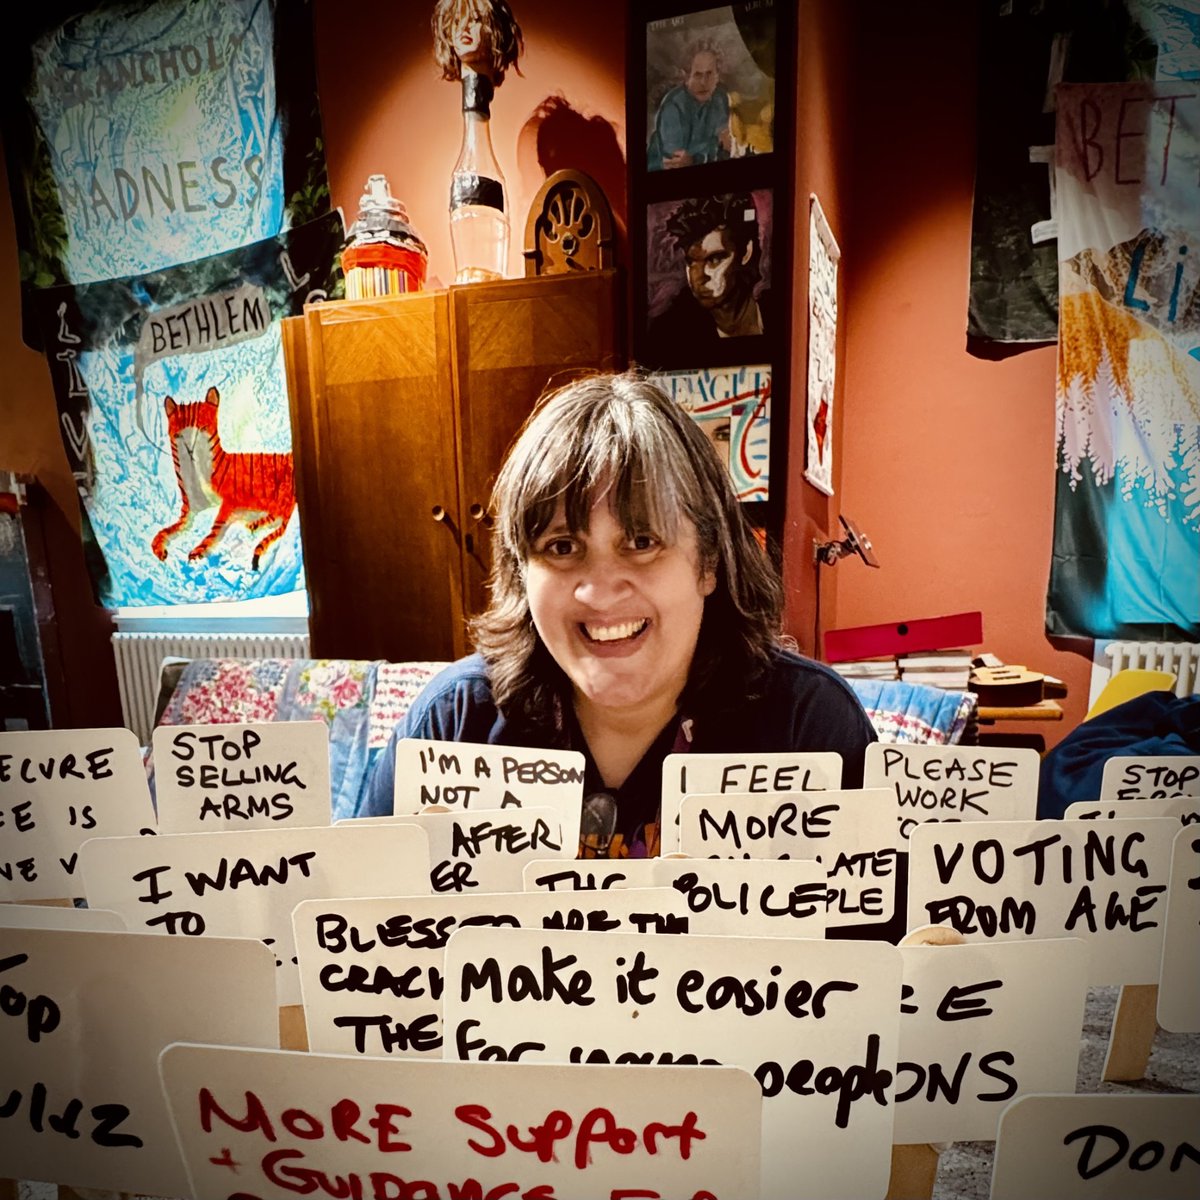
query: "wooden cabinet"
402, 410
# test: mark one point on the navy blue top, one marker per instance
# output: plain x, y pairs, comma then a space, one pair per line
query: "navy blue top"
800, 705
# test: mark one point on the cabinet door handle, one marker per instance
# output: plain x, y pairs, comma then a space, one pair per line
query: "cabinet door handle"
438, 513
480, 514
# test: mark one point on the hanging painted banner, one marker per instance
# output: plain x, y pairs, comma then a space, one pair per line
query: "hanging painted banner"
151, 132
173, 407
1127, 512
823, 257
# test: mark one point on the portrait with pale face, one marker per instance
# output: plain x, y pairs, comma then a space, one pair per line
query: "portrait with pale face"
709, 271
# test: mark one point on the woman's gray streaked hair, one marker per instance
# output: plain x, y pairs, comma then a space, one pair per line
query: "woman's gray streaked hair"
624, 434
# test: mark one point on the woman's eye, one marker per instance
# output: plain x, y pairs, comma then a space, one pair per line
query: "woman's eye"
643, 541
559, 547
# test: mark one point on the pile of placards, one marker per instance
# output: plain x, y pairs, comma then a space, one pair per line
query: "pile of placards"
467, 1010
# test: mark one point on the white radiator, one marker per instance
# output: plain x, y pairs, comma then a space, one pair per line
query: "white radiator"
139, 658
1181, 658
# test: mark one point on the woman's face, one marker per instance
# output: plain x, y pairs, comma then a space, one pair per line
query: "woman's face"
620, 616
472, 42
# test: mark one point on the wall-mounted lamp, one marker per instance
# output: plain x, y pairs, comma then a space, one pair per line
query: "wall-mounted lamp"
855, 542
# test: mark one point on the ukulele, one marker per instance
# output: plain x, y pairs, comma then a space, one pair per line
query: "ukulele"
1006, 687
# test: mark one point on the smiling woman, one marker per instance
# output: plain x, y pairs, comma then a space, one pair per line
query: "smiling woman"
632, 615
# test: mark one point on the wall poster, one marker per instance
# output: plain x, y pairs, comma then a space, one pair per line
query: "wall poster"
173, 409
823, 256
143, 133
1127, 512
710, 86
732, 405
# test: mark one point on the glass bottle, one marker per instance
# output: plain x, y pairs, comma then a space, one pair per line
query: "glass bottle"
478, 220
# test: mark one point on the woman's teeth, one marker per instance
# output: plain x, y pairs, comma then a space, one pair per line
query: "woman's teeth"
615, 633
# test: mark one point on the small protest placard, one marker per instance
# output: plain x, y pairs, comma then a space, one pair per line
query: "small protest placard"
1102, 881
269, 1125
483, 851
57, 789
741, 774
1094, 1147
475, 776
815, 1022
1179, 983
246, 884
981, 1024
739, 897
954, 783
851, 833
1185, 809
86, 1015
44, 916
213, 777
1152, 778
360, 957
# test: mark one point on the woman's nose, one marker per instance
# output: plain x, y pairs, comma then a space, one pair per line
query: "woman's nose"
602, 585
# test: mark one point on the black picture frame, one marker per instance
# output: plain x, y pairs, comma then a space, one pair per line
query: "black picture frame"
657, 195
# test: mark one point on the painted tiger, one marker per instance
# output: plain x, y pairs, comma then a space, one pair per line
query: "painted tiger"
238, 483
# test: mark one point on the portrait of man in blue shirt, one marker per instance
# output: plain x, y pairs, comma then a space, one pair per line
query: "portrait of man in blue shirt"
692, 122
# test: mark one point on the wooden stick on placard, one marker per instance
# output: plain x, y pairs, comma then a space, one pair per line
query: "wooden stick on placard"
293, 1031
1134, 1025
8, 1189
914, 1172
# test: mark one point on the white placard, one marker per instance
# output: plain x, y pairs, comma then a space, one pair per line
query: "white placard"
1098, 1148
1150, 778
981, 1024
725, 896
85, 1018
246, 884
741, 774
57, 789
475, 776
483, 851
1179, 982
851, 833
266, 1124
1103, 881
208, 778
815, 1022
1182, 808
44, 916
954, 783
372, 971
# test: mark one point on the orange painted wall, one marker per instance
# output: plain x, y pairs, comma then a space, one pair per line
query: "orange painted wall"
947, 459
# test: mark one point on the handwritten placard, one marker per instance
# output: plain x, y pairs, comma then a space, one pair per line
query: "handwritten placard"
372, 971
246, 884
1155, 778
741, 774
954, 783
851, 833
268, 1124
44, 916
1096, 1147
981, 1024
85, 1016
483, 851
738, 897
57, 789
260, 776
1103, 881
1179, 982
1185, 809
815, 1022
474, 776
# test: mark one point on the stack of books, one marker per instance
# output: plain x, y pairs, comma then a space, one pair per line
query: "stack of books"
949, 669
868, 668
